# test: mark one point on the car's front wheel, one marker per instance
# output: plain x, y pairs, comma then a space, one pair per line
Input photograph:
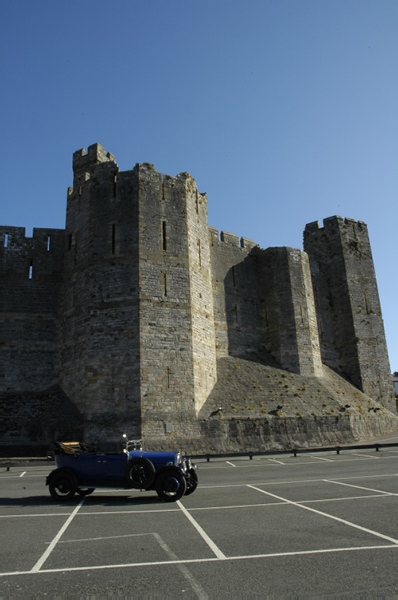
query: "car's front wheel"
192, 482
170, 485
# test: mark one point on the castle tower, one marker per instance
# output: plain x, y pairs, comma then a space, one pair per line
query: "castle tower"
100, 317
350, 324
177, 341
138, 346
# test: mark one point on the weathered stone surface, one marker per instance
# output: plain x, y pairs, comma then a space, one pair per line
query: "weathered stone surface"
148, 321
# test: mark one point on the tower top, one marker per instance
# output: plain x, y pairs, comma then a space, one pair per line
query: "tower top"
95, 154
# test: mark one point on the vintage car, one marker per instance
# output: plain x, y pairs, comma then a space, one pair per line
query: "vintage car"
81, 469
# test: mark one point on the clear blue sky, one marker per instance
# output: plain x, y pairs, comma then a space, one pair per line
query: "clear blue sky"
284, 111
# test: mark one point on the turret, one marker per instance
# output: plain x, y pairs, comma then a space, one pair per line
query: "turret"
350, 323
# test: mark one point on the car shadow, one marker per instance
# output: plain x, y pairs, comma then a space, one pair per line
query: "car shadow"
95, 500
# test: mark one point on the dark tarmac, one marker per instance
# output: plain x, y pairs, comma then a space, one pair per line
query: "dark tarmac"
319, 524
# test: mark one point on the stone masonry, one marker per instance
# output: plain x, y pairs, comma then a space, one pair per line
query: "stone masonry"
135, 316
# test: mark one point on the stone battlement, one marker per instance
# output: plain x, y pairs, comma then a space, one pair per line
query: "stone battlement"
95, 154
230, 239
332, 222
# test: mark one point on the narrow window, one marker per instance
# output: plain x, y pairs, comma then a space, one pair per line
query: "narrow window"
236, 312
30, 270
164, 235
168, 377
197, 203
5, 240
113, 238
48, 243
165, 285
199, 254
114, 186
80, 190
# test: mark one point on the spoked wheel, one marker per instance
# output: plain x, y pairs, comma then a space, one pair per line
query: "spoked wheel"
62, 486
170, 485
85, 492
192, 482
140, 473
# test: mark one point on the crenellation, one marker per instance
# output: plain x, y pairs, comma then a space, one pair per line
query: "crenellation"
312, 227
247, 244
135, 309
229, 238
332, 222
84, 161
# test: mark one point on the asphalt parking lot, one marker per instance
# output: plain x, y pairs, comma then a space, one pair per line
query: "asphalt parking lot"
319, 524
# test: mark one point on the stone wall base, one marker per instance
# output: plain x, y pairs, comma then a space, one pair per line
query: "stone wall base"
31, 421
224, 436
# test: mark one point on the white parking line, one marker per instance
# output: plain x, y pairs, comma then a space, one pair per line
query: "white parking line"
174, 558
22, 474
365, 456
325, 459
200, 508
229, 463
204, 560
277, 461
349, 523
359, 487
195, 585
201, 531
36, 568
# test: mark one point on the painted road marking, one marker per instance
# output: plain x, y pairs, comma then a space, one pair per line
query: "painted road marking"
201, 531
52, 545
203, 560
349, 523
359, 487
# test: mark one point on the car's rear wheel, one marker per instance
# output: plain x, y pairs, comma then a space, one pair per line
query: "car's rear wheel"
140, 473
192, 482
170, 485
62, 486
85, 492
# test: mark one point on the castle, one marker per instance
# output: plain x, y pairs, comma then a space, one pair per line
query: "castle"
139, 317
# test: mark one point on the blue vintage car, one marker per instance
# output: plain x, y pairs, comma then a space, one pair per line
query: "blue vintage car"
81, 469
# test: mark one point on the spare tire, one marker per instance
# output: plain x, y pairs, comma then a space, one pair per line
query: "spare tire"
140, 473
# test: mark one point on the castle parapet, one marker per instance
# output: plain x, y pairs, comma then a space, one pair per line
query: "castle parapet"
247, 244
95, 154
230, 238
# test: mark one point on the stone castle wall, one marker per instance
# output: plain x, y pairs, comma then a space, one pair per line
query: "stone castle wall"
30, 293
131, 308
